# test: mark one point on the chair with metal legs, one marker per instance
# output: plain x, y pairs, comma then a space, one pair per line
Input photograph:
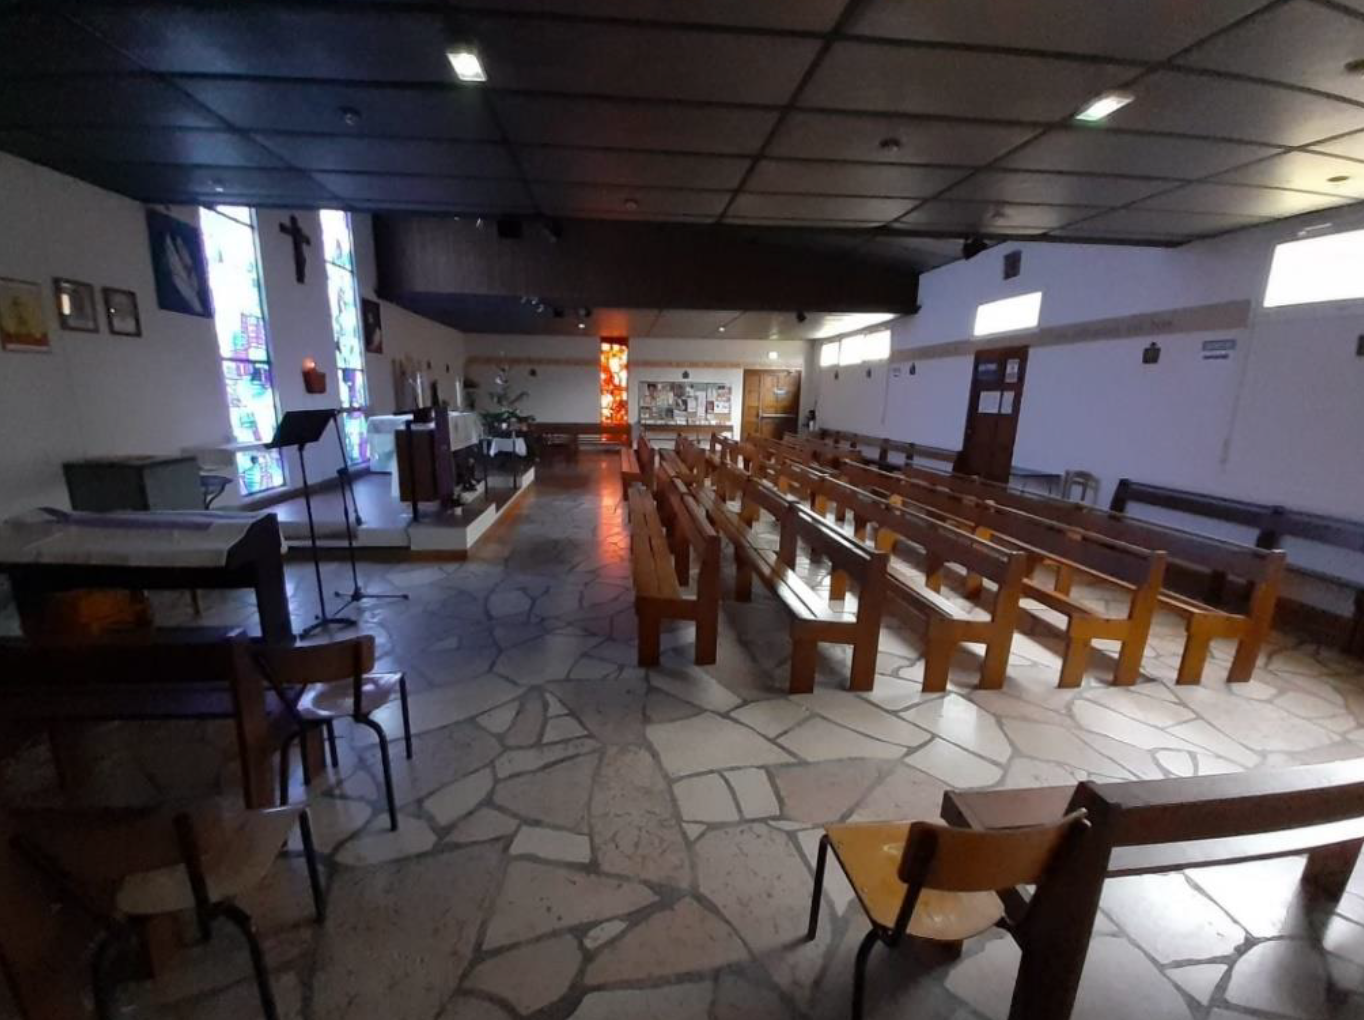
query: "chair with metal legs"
125, 868
337, 683
937, 883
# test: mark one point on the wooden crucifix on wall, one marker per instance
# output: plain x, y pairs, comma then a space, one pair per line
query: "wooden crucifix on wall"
296, 233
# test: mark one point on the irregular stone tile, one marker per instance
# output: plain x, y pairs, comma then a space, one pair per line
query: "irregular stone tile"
437, 758
612, 710
1265, 897
532, 976
1119, 983
466, 1007
684, 939
499, 720
1052, 743
737, 998
407, 912
562, 728
694, 686
694, 830
1286, 977
705, 799
554, 707
382, 844
529, 720
508, 602
1204, 735
1002, 705
1256, 724
1178, 763
556, 796
543, 659
707, 742
852, 712
956, 719
1139, 704
1344, 939
985, 980
905, 795
591, 668
955, 767
1307, 706
439, 707
552, 845
671, 1002
754, 793
334, 821
1025, 773
1170, 919
771, 717
1113, 724
819, 739
1139, 763
459, 798
836, 885
602, 934
661, 708
900, 691
1200, 980
540, 898
528, 759
633, 827
484, 824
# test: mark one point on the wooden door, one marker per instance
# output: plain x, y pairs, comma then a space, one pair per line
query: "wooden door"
987, 448
771, 403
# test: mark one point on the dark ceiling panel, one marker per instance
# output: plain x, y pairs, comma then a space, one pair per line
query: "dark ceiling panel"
165, 145
396, 155
1100, 151
816, 207
301, 106
992, 217
1237, 200
43, 43
101, 101
213, 185
802, 223
629, 125
471, 195
331, 41
1299, 42
923, 253
911, 79
1162, 223
679, 323
852, 178
602, 166
823, 135
1305, 171
1204, 105
551, 56
803, 15
1054, 189
588, 200
1151, 30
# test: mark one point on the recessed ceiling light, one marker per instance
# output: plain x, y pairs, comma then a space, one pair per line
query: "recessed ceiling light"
466, 63
1104, 106
1355, 67
350, 116
772, 355
891, 144
582, 325
721, 329
632, 203
1338, 179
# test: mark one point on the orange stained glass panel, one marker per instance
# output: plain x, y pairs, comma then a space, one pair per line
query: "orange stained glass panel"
615, 396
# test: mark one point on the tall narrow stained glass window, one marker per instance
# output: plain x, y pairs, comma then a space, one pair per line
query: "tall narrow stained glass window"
615, 399
339, 256
243, 341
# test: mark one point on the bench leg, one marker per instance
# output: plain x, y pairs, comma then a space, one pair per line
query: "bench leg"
863, 677
707, 635
1065, 579
1244, 661
1195, 656
1075, 661
996, 662
1329, 869
1129, 660
650, 636
937, 661
973, 586
804, 656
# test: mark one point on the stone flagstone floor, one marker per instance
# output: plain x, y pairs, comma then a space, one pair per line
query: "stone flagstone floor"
584, 839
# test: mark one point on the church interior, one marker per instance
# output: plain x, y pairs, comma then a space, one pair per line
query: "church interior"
399, 400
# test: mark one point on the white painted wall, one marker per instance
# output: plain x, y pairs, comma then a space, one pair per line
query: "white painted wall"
97, 394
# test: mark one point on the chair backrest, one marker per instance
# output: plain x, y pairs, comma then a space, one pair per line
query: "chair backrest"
983, 860
206, 655
327, 662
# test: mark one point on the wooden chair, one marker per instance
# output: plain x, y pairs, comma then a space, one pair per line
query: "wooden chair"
337, 684
935, 882
125, 868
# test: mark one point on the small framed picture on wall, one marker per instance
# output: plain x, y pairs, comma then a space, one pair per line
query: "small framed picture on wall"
120, 310
76, 306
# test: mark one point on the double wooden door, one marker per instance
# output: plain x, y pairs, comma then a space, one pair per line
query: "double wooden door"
771, 403
987, 447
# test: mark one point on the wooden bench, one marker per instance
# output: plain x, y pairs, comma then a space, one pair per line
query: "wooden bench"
661, 570
813, 619
1159, 826
569, 435
1261, 570
1072, 552
909, 453
630, 473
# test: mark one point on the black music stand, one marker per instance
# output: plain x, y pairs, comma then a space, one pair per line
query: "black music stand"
298, 429
347, 480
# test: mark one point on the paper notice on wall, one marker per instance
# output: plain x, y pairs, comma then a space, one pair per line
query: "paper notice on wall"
989, 402
1011, 369
1006, 402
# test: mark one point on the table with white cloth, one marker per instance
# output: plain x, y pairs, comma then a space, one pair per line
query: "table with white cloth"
466, 428
510, 452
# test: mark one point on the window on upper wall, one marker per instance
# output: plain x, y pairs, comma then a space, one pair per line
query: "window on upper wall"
243, 341
339, 256
1008, 314
855, 349
876, 346
828, 354
1317, 269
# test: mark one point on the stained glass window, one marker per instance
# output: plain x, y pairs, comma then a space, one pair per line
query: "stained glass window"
615, 399
339, 256
243, 341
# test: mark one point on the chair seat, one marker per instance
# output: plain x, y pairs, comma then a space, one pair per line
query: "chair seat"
327, 701
870, 856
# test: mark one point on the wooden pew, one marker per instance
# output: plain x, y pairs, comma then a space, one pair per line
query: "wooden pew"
646, 457
692, 456
813, 619
661, 571
570, 434
1071, 551
909, 453
1160, 826
1261, 569
630, 472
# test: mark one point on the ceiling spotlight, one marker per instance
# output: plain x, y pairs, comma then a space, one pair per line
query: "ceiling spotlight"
582, 325
632, 204
721, 329
217, 185
891, 144
466, 63
1355, 67
350, 116
772, 355
1101, 107
801, 316
1338, 179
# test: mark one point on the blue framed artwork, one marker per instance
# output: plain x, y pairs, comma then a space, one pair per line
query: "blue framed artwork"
179, 266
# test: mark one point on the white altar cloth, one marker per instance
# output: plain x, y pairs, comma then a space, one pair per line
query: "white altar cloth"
466, 428
160, 538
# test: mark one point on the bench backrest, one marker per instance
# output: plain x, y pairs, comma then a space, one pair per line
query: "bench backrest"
909, 452
190, 656
689, 530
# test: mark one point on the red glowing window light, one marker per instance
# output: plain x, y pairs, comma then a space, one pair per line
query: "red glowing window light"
615, 395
